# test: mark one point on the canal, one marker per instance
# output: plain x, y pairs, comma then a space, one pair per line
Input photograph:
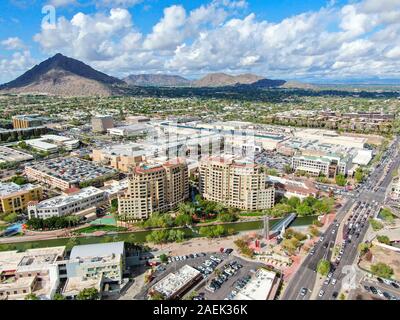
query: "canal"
140, 236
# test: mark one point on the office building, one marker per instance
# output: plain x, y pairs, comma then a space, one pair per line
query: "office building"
101, 123
75, 203
235, 183
15, 198
329, 165
12, 155
154, 188
52, 143
27, 121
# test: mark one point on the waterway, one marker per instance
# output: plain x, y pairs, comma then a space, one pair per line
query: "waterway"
140, 236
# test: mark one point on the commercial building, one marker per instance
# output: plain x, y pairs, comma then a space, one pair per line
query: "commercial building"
101, 123
154, 188
301, 188
15, 198
329, 165
92, 261
130, 131
65, 173
175, 285
137, 119
32, 271
12, 155
51, 143
121, 157
235, 183
27, 121
63, 205
260, 287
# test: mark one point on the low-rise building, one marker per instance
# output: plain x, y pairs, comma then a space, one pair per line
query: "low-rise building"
130, 131
15, 198
288, 188
65, 173
329, 165
260, 287
176, 284
32, 271
95, 261
64, 205
12, 155
52, 143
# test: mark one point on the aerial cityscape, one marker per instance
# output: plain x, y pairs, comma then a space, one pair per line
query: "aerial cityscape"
221, 150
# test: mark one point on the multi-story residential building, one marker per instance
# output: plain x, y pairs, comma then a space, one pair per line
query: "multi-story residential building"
235, 183
328, 165
301, 188
101, 123
65, 173
27, 121
67, 204
15, 198
154, 188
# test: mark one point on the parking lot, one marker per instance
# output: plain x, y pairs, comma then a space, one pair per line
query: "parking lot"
175, 263
224, 284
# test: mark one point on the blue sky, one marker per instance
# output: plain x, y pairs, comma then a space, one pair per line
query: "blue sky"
290, 39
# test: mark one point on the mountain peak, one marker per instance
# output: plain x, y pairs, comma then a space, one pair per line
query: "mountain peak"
51, 76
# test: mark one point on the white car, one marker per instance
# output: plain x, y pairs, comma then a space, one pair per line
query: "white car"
333, 231
321, 293
380, 293
334, 281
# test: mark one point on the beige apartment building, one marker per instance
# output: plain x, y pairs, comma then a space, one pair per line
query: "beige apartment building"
235, 184
101, 123
154, 188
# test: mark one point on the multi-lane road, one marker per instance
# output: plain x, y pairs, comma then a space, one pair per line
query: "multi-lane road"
369, 199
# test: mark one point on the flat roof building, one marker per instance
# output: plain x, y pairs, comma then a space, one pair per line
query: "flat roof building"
235, 183
175, 284
101, 123
51, 143
15, 198
259, 287
67, 204
12, 155
27, 121
65, 173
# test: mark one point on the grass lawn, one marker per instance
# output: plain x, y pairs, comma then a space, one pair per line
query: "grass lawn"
251, 214
105, 228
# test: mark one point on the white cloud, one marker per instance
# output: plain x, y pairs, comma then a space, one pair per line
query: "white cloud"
62, 3
357, 39
13, 43
14, 66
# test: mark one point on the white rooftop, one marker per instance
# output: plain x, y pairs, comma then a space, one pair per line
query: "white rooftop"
259, 286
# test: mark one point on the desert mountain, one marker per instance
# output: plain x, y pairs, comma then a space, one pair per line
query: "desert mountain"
224, 80
156, 80
60, 75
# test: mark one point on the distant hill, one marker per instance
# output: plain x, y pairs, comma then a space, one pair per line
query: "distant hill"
156, 80
223, 80
60, 75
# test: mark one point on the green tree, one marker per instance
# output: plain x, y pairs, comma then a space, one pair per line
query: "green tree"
382, 270
31, 296
304, 209
375, 224
340, 180
88, 294
163, 258
363, 248
387, 215
384, 239
359, 175
58, 296
294, 202
323, 267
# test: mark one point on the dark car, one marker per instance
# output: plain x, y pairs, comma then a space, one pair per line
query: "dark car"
395, 285
334, 295
367, 288
387, 295
228, 251
379, 280
373, 290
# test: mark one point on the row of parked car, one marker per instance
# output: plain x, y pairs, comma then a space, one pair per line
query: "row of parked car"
378, 292
239, 285
209, 266
186, 257
228, 271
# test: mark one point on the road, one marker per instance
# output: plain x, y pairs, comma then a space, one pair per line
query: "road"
379, 179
